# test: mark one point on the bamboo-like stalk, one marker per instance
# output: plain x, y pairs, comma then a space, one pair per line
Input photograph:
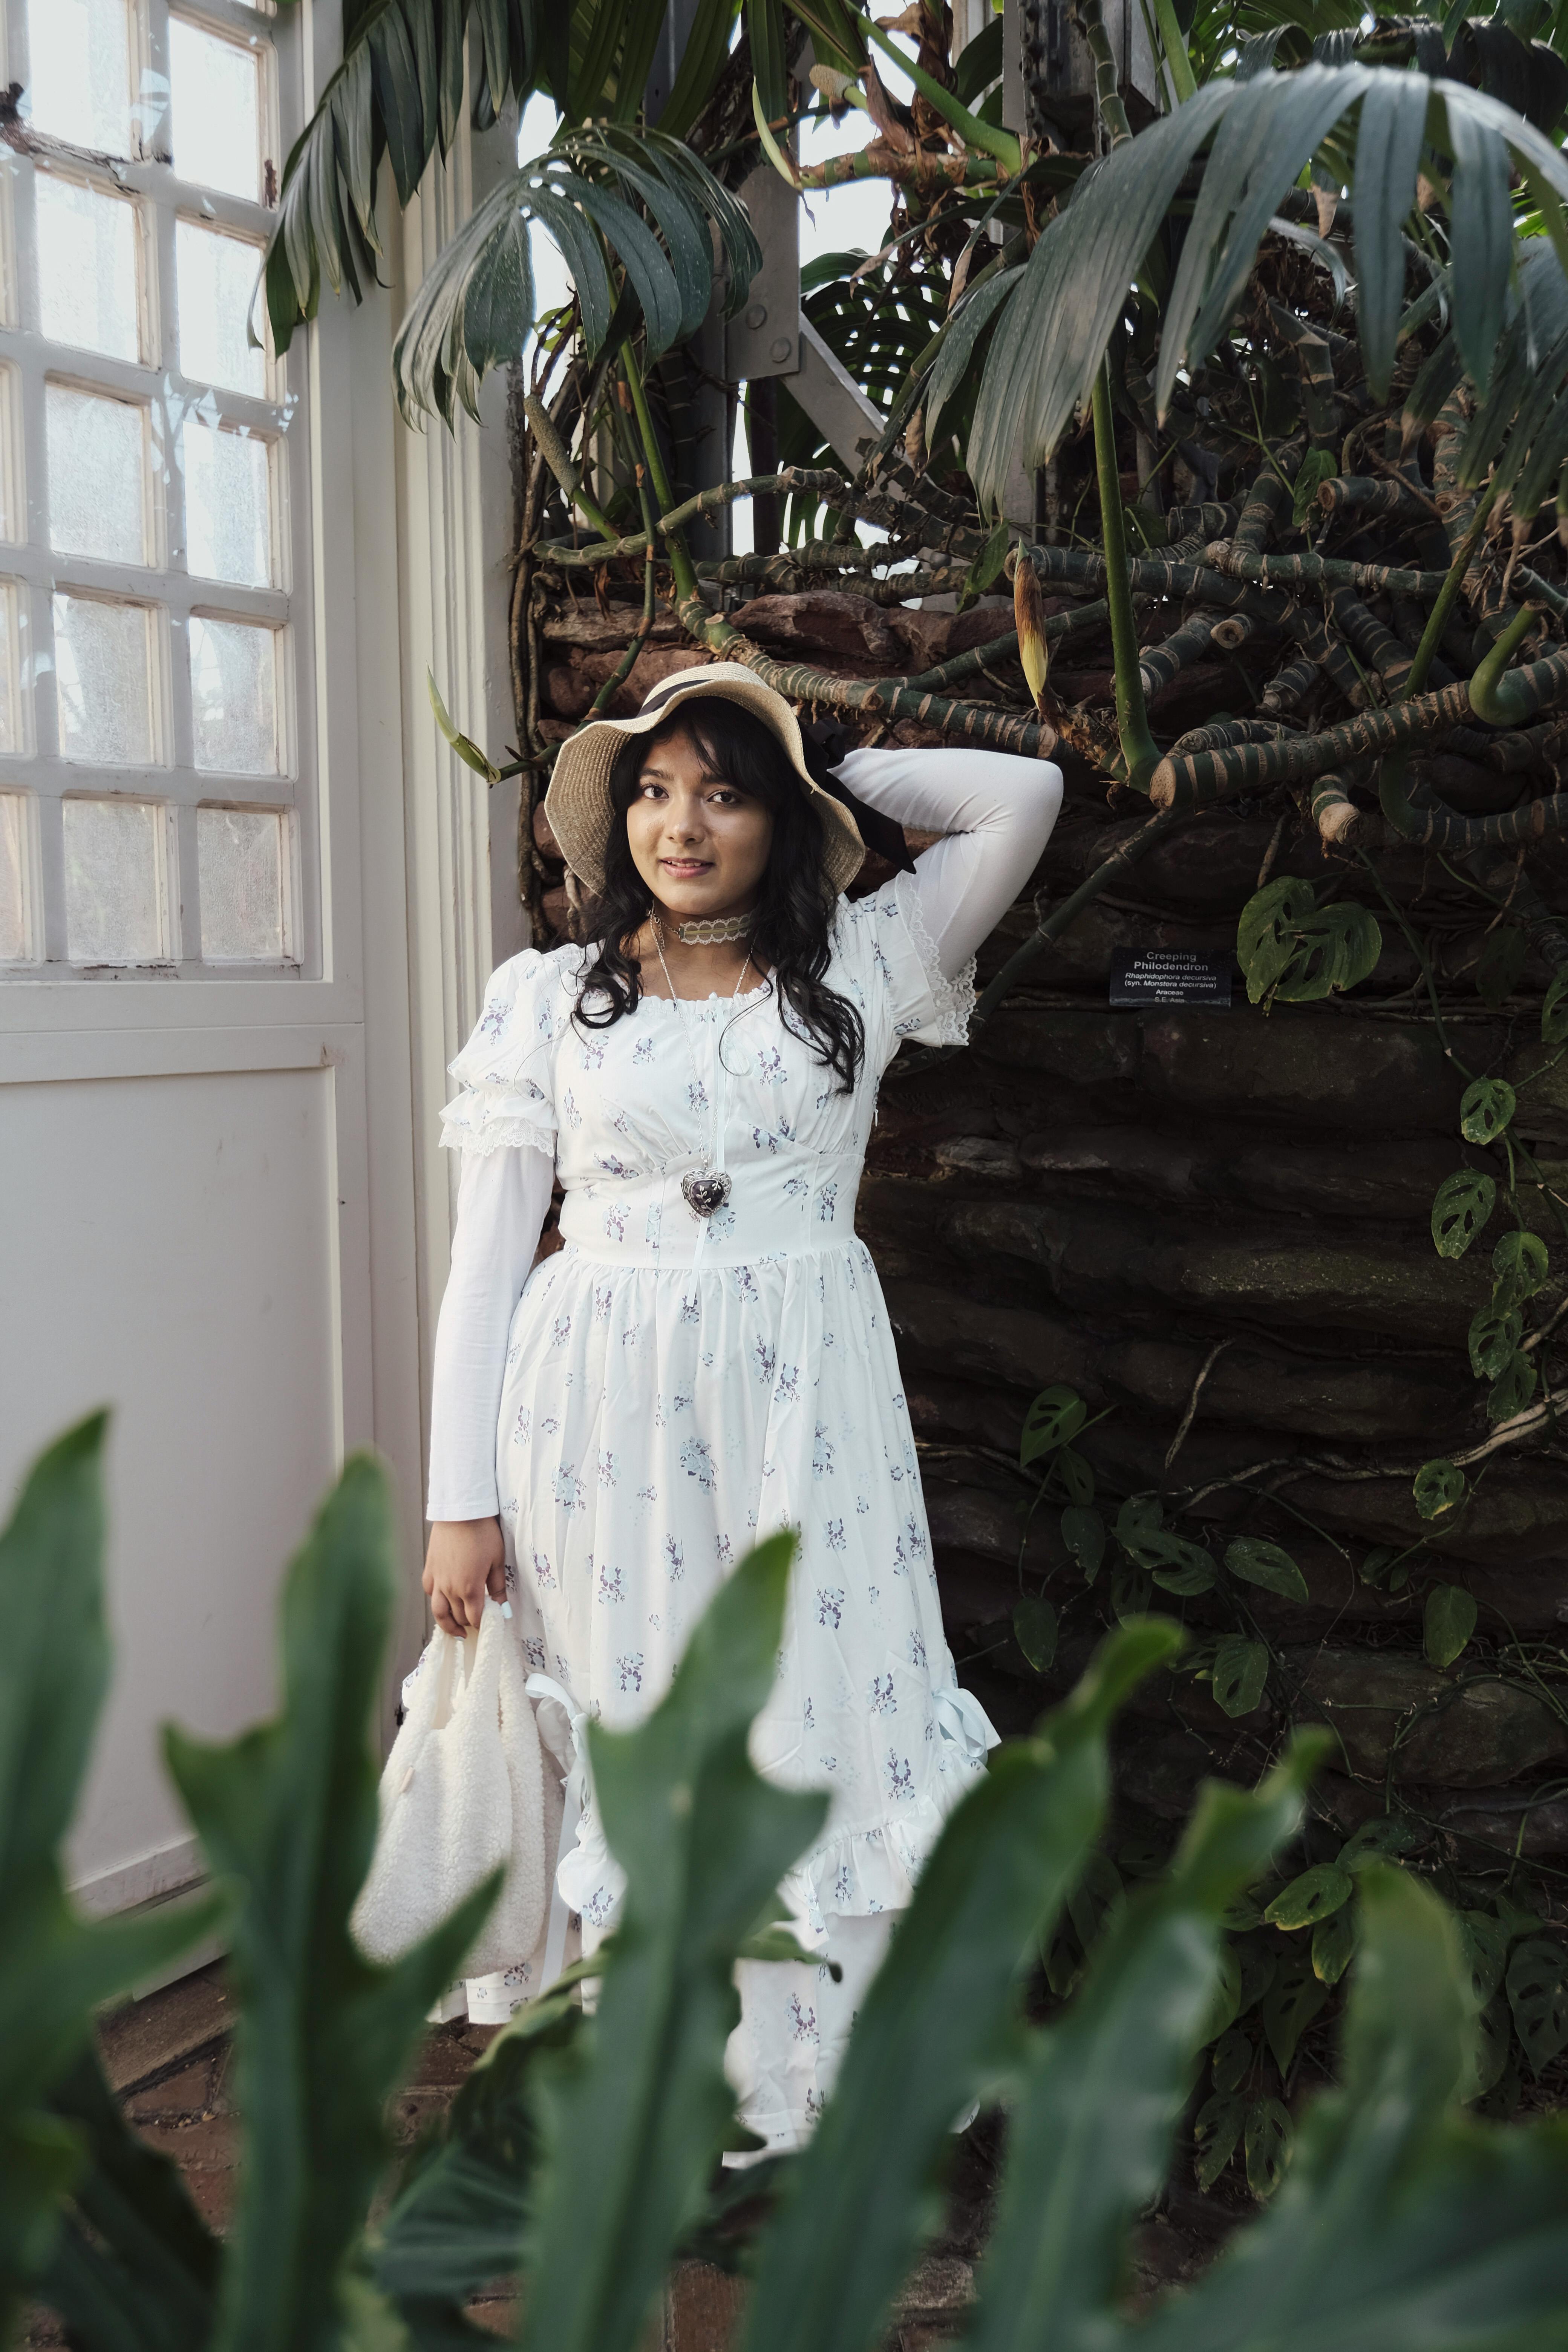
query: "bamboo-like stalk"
1320, 572
680, 560
1139, 750
1107, 96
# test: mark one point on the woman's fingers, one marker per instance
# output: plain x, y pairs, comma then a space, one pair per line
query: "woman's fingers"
495, 1583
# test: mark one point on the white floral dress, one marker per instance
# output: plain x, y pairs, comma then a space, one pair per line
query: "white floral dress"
675, 1389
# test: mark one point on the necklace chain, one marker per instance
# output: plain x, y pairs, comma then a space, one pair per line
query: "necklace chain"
704, 1188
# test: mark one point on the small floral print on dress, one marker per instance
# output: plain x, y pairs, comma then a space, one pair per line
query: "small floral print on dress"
692, 1310
697, 1461
543, 1573
762, 1362
835, 1535
827, 1204
803, 2022
862, 1507
822, 1453
569, 1105
828, 1763
881, 1698
917, 1536
561, 1331
900, 1558
723, 1551
900, 1778
680, 1401
534, 1651
765, 1140
673, 1560
830, 1605
873, 1594
647, 1494
788, 1389
549, 1426
568, 1490
612, 1585
492, 1021
632, 1336
808, 1714
643, 1050
592, 1054
629, 1669
616, 1218
842, 1885
522, 1427
599, 1906
613, 1165
696, 1096
917, 1649
746, 1283
796, 1187
770, 1067
608, 1474
603, 1300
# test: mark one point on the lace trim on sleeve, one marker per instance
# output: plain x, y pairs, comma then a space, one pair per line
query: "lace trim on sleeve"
471, 1123
954, 999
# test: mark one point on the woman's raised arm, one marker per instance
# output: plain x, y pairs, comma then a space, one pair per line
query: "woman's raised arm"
995, 811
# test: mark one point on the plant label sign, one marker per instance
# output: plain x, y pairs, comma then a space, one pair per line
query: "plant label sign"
1170, 976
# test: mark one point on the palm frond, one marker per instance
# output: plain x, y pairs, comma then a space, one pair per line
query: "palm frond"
397, 93
1053, 335
475, 307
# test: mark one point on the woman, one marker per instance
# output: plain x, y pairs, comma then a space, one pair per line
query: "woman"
707, 1357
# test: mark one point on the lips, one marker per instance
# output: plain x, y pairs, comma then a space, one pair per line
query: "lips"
685, 869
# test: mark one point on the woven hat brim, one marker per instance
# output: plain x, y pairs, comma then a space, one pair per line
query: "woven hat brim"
577, 805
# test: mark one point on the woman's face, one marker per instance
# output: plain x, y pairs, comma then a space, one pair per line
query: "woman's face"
699, 845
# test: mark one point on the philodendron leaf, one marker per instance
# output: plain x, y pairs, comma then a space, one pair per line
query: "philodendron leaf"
1034, 1631
1292, 2003
1267, 2141
1521, 1263
1091, 2122
1054, 1419
1239, 1673
1512, 1388
635, 2116
1494, 1339
1484, 1942
1217, 2129
1083, 1532
1486, 1109
1437, 1488
55, 1968
1316, 1894
1538, 1996
288, 1814
1257, 1562
1447, 1622
1400, 2226
1460, 1208
1291, 948
940, 2018
1334, 1940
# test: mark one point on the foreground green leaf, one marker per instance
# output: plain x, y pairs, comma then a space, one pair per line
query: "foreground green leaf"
940, 2020
637, 2114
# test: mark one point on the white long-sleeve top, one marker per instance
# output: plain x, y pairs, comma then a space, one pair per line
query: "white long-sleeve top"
995, 812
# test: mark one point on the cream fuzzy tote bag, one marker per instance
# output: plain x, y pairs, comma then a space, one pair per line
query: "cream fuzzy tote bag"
463, 1792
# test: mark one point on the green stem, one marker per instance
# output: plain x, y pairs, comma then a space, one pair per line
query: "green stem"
1107, 96
1493, 697
679, 561
1183, 78
1138, 747
1447, 597
990, 141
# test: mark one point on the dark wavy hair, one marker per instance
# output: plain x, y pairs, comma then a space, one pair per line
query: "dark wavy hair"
794, 908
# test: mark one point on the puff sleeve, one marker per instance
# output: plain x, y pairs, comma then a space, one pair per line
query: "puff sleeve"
504, 1072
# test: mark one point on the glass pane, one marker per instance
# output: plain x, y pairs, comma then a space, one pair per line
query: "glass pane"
13, 877
114, 882
240, 853
88, 280
216, 87
10, 667
98, 476
233, 697
103, 674
217, 277
13, 506
229, 514
80, 58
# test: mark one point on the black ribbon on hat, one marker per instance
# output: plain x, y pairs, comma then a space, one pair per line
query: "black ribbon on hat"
827, 746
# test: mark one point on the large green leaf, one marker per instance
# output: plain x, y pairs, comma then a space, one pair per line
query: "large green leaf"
54, 1970
1091, 2127
1400, 2226
635, 2114
1388, 150
940, 2020
287, 1813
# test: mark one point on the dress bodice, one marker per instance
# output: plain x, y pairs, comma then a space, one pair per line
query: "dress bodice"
629, 1108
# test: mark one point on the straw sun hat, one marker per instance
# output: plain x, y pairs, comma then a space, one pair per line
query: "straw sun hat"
577, 805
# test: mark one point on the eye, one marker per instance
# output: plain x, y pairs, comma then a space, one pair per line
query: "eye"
650, 791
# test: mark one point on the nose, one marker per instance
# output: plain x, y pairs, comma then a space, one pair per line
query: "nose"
684, 821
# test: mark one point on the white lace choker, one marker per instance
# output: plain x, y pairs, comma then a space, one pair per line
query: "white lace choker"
711, 933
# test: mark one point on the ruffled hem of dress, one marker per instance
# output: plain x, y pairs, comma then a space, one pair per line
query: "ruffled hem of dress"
471, 1123
863, 1869
954, 999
